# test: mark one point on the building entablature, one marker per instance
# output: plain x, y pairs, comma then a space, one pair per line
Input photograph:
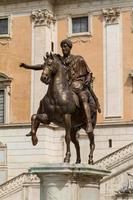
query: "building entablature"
58, 2
64, 7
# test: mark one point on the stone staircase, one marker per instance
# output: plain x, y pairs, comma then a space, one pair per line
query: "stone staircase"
116, 158
20, 187
118, 183
27, 186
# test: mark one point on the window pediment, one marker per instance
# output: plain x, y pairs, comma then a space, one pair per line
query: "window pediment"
5, 80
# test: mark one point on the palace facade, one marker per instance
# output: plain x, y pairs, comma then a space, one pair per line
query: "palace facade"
102, 32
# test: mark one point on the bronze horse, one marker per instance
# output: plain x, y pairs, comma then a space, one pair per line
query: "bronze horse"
60, 105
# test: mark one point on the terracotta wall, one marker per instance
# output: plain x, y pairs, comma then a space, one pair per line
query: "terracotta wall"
127, 64
18, 49
13, 51
91, 48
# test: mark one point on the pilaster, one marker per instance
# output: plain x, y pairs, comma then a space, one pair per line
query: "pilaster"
43, 23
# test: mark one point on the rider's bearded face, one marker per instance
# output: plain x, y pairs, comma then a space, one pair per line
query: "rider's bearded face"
65, 49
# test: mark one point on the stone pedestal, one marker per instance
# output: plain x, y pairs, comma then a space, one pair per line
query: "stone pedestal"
69, 181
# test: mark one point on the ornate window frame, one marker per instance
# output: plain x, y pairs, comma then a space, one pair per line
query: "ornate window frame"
88, 33
5, 85
9, 26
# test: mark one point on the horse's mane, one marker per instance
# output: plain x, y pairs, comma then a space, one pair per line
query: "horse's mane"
58, 57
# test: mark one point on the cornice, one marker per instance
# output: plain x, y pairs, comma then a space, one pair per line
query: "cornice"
62, 8
94, 7
96, 2
63, 2
4, 2
53, 126
25, 7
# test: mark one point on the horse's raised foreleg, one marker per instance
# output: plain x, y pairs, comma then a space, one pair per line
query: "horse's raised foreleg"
76, 143
36, 119
67, 122
34, 125
92, 147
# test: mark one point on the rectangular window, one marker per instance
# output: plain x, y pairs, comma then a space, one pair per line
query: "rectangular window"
110, 143
80, 24
3, 26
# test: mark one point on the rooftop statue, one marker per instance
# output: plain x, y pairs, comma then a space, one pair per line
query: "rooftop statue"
70, 101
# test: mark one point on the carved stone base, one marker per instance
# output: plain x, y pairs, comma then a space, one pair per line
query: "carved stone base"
69, 181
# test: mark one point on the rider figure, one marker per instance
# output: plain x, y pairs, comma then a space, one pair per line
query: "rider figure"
79, 77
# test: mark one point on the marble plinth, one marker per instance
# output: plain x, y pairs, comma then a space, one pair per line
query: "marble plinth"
69, 181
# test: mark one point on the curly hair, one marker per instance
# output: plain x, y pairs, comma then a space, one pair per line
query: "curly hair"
66, 41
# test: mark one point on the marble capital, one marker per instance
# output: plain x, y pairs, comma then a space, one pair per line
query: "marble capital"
111, 15
43, 18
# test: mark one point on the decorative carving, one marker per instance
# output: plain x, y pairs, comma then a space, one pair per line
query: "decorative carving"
111, 15
2, 145
43, 18
126, 188
17, 182
81, 39
116, 157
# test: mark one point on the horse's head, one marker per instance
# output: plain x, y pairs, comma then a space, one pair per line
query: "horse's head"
49, 68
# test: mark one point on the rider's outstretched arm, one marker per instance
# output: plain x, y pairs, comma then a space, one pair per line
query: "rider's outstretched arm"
34, 67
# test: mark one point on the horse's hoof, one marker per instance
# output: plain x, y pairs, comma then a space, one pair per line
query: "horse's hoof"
66, 160
29, 134
90, 162
78, 161
34, 140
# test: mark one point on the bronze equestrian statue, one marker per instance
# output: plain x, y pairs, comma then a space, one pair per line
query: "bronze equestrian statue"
70, 102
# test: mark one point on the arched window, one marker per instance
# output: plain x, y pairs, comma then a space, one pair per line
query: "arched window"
5, 89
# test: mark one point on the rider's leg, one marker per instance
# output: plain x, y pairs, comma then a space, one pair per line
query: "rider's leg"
96, 99
84, 97
83, 94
